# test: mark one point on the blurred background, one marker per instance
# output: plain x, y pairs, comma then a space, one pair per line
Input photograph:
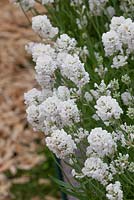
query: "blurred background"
25, 163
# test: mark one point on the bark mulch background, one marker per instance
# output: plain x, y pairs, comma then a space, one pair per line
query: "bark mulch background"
18, 146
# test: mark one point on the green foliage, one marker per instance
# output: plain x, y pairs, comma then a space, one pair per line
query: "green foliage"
34, 187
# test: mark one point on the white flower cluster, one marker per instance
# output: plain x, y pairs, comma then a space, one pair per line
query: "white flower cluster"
101, 143
82, 119
129, 132
119, 61
51, 113
41, 25
120, 164
114, 191
126, 98
45, 68
80, 135
73, 69
52, 108
94, 167
61, 144
108, 108
119, 40
97, 6
101, 90
88, 97
33, 97
63, 93
39, 49
111, 42
68, 112
63, 56
65, 44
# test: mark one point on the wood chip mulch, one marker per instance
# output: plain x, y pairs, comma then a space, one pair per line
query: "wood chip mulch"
18, 149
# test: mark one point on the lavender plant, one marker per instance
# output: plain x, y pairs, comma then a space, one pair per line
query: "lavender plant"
84, 67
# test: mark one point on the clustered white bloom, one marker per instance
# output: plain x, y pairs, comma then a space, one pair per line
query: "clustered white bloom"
119, 61
68, 101
101, 90
73, 69
121, 163
51, 113
119, 40
101, 143
53, 108
111, 43
114, 191
108, 108
80, 135
126, 98
45, 68
88, 97
94, 167
61, 144
39, 49
129, 132
68, 112
65, 44
63, 56
33, 97
41, 25
63, 93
